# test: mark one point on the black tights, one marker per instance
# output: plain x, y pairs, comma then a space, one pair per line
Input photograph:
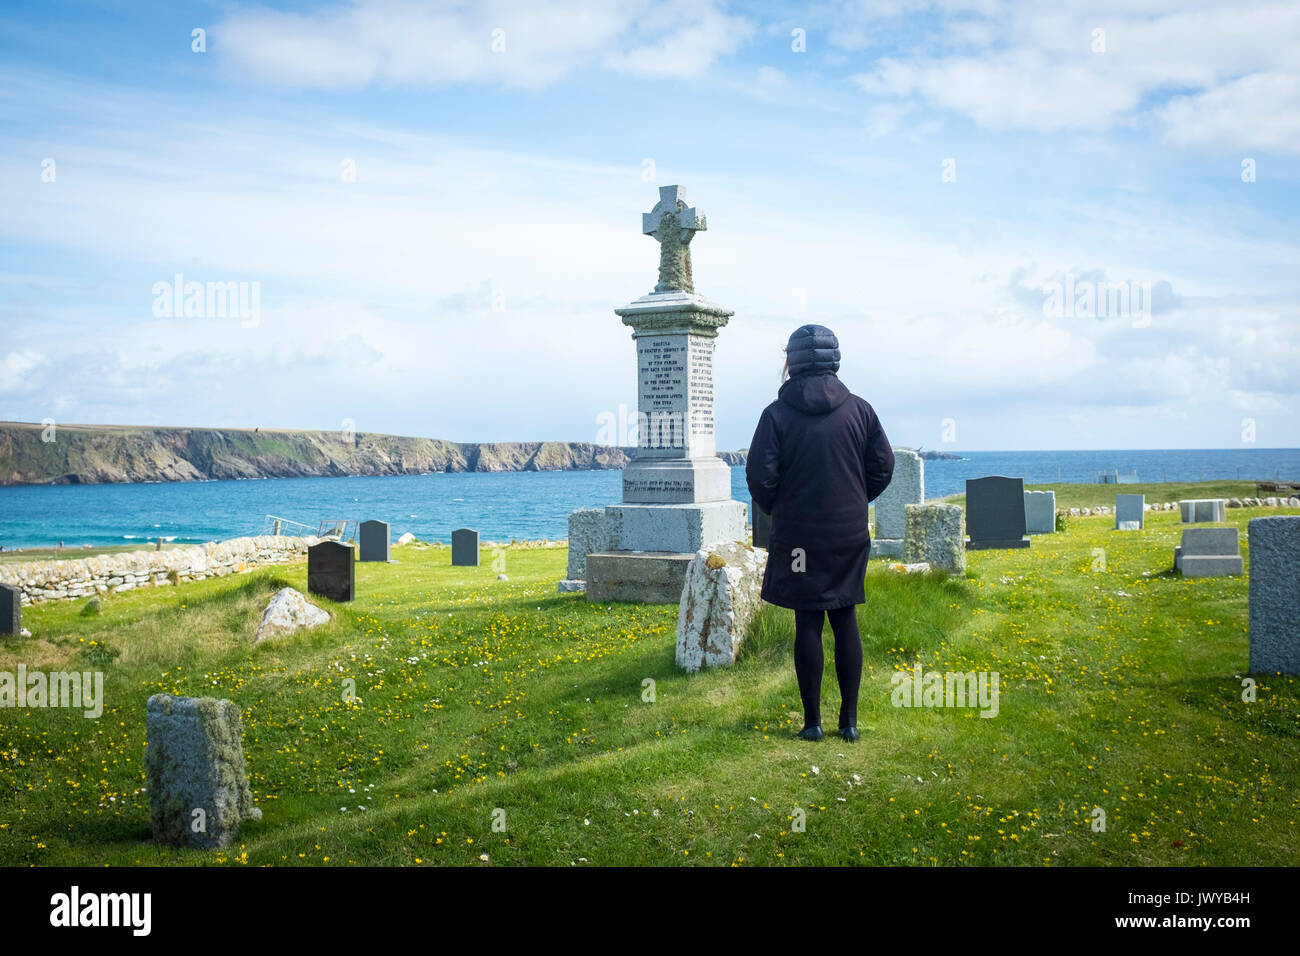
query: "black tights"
809, 662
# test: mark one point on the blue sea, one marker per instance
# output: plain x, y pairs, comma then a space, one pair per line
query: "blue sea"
502, 506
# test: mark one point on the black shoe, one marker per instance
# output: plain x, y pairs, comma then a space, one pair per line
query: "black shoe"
811, 732
850, 732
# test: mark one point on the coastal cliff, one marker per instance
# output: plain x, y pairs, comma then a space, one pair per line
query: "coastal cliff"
106, 454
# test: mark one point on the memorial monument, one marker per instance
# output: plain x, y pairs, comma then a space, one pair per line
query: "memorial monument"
676, 490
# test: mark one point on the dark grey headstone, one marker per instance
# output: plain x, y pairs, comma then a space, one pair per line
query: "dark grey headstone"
374, 541
464, 548
330, 570
11, 610
1274, 594
995, 513
762, 528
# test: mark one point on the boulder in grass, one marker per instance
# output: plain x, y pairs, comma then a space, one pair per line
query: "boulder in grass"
406, 538
288, 612
720, 599
198, 784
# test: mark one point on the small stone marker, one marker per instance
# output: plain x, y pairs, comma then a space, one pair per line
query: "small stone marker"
1040, 512
374, 541
198, 785
762, 528
995, 513
1274, 594
1203, 509
11, 610
935, 534
907, 487
330, 570
719, 601
288, 611
464, 548
1208, 553
1130, 512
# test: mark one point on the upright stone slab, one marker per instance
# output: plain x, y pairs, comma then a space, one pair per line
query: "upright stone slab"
11, 611
995, 513
197, 782
719, 601
1130, 512
762, 528
1274, 594
1203, 509
1040, 512
331, 570
464, 548
1208, 553
936, 534
907, 487
374, 541
676, 490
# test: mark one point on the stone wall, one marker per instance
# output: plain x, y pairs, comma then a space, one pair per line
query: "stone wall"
55, 580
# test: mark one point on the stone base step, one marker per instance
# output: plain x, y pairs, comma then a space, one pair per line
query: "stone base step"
653, 577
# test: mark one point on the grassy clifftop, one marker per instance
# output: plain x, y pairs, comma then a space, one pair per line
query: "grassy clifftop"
97, 454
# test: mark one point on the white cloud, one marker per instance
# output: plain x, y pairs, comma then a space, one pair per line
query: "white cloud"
1028, 66
1258, 112
523, 43
15, 366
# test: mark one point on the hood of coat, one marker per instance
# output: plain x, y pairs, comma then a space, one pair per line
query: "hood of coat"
814, 394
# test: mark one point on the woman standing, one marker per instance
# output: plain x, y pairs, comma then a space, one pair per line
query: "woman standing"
818, 457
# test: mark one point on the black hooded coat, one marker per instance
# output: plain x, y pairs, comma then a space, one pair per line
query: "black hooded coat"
818, 457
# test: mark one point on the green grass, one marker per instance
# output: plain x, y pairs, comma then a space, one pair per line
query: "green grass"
1090, 495
1120, 689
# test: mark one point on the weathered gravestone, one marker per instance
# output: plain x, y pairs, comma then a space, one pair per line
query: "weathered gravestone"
330, 570
935, 534
1203, 509
197, 782
464, 548
906, 487
1274, 594
719, 601
1130, 512
762, 528
1040, 512
995, 513
1208, 553
676, 490
11, 610
374, 541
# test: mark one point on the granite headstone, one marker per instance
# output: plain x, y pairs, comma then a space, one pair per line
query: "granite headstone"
11, 610
330, 570
762, 528
995, 513
374, 541
1274, 594
1040, 512
1130, 512
1208, 553
464, 548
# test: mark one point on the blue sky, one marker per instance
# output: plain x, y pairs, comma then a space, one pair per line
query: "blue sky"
462, 285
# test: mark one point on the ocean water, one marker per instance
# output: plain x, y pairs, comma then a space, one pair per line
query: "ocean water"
502, 506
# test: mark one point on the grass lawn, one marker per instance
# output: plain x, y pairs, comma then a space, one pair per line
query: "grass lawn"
1091, 495
485, 702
